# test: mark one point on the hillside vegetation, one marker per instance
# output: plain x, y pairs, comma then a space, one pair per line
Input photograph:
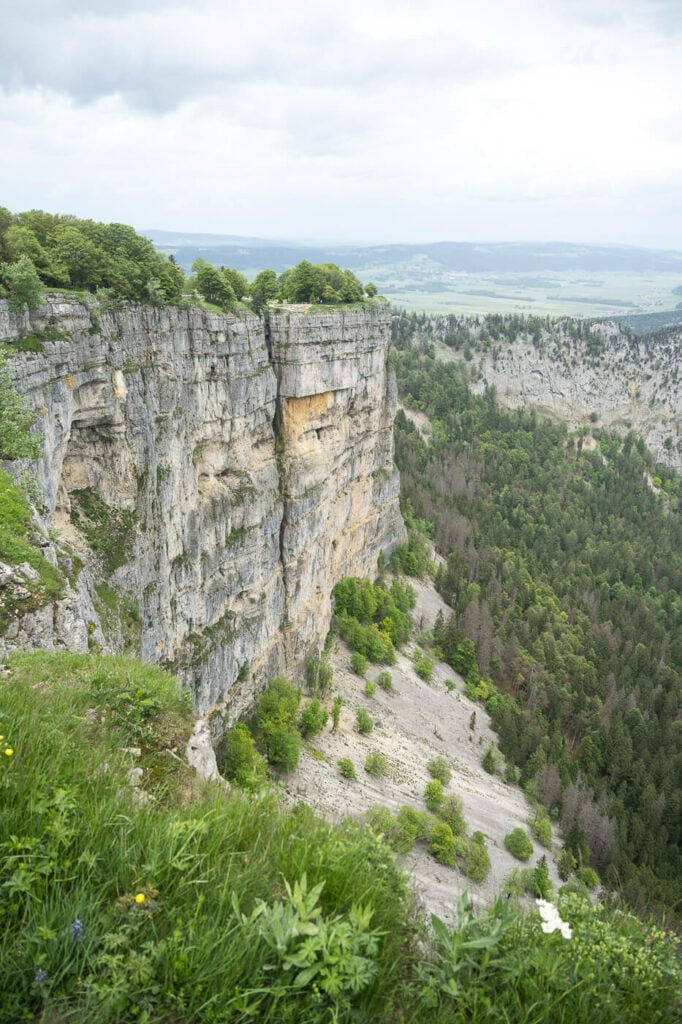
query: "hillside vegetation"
131, 892
40, 249
564, 571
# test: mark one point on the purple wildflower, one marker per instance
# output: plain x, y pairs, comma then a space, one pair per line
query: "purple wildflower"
77, 929
40, 976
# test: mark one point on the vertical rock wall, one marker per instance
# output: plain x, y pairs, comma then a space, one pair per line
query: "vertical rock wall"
335, 408
252, 479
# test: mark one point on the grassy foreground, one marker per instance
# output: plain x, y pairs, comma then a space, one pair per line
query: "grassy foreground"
172, 901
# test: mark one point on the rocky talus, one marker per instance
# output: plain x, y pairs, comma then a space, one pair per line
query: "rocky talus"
220, 473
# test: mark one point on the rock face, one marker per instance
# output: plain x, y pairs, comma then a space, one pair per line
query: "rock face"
608, 376
235, 474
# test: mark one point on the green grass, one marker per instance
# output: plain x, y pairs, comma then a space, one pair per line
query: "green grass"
217, 907
75, 847
16, 547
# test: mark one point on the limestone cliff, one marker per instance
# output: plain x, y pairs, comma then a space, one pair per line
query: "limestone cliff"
606, 375
221, 474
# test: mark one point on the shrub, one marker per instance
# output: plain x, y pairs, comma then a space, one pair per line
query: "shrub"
541, 827
477, 861
385, 681
275, 724
406, 830
411, 825
542, 883
314, 718
380, 819
363, 722
423, 665
376, 764
370, 689
518, 844
442, 844
319, 676
452, 812
489, 760
336, 711
566, 864
242, 763
283, 748
358, 663
347, 768
23, 284
589, 877
433, 794
439, 768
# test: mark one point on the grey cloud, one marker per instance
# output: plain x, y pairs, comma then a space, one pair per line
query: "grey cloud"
84, 51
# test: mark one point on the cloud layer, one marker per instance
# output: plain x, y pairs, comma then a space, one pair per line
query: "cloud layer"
364, 120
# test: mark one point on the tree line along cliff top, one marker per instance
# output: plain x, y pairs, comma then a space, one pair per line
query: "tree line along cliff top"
42, 250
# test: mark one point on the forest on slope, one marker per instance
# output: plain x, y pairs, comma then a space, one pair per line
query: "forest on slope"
563, 566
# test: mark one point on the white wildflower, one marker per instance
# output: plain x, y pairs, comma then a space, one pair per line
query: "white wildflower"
551, 919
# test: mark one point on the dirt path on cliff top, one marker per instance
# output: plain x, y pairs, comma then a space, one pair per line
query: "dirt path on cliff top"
411, 726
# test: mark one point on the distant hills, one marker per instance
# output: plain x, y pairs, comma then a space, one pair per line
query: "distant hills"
470, 277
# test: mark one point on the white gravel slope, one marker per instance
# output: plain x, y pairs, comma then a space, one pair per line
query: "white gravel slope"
411, 726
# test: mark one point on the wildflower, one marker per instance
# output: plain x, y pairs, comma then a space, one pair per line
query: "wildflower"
77, 929
8, 751
551, 919
40, 976
140, 898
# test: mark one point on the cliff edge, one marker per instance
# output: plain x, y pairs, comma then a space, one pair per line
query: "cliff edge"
206, 481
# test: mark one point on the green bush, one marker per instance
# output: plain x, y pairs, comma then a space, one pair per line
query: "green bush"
336, 711
439, 768
566, 864
314, 718
542, 883
376, 764
589, 877
452, 812
477, 860
410, 827
490, 760
370, 619
370, 689
385, 681
283, 748
347, 768
15, 420
380, 820
541, 827
518, 844
319, 676
423, 665
363, 722
358, 663
442, 844
433, 794
242, 763
275, 724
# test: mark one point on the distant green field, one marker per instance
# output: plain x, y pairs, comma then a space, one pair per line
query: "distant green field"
584, 293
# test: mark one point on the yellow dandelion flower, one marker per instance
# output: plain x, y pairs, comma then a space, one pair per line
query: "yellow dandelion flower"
140, 898
8, 751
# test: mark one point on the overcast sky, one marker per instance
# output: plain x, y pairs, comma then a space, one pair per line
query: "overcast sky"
349, 121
